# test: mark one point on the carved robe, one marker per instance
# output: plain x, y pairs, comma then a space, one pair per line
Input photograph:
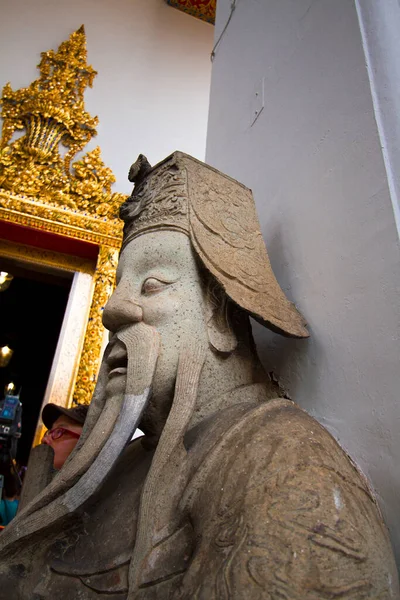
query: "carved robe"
266, 505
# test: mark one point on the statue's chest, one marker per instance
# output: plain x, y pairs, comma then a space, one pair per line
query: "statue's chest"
91, 556
92, 561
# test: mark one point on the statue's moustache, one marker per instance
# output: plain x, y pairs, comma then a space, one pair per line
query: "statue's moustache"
142, 344
109, 426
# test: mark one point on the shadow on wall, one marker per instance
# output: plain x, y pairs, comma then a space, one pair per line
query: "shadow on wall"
297, 365
292, 362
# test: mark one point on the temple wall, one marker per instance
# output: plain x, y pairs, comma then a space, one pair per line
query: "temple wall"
325, 194
152, 89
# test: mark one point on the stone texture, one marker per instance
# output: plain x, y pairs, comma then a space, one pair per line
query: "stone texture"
233, 492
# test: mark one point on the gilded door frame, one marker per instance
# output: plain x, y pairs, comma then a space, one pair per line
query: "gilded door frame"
42, 189
79, 385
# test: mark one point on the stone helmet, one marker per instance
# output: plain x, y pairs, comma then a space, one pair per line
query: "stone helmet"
219, 215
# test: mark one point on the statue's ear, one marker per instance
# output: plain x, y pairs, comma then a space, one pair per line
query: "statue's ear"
220, 332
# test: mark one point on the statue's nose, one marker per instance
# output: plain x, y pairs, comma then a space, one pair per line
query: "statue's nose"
120, 311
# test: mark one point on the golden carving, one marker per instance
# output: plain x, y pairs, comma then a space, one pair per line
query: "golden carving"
44, 189
90, 358
51, 110
52, 107
38, 215
34, 178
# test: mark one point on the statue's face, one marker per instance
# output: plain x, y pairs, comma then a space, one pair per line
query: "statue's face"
158, 283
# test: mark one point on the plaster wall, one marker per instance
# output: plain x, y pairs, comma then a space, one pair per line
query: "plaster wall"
314, 161
380, 26
152, 89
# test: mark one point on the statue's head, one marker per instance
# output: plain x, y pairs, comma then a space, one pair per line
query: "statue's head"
193, 265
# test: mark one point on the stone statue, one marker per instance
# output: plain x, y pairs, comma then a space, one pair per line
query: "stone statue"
233, 492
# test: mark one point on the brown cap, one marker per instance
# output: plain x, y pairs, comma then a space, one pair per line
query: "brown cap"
52, 412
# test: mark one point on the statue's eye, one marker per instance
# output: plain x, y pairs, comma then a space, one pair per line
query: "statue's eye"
153, 285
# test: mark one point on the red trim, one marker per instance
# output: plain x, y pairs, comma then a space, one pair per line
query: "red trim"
47, 241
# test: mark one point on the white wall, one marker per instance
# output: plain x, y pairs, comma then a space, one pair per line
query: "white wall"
380, 27
152, 89
313, 159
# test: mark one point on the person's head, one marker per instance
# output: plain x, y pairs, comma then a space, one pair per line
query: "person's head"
64, 428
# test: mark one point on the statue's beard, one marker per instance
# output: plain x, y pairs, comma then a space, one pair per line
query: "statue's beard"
120, 381
110, 425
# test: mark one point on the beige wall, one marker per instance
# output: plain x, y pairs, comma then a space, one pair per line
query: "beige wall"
152, 89
325, 197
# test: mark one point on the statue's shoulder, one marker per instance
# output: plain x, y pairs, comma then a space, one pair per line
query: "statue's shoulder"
276, 441
280, 507
280, 430
275, 433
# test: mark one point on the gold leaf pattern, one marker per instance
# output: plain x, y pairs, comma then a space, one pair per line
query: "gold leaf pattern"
51, 110
104, 280
40, 189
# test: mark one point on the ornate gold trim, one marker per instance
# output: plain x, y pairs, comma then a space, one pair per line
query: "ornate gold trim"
43, 189
104, 281
52, 112
30, 212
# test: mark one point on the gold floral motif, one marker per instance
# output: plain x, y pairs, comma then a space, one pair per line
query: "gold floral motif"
90, 358
52, 112
91, 187
38, 215
44, 189
54, 102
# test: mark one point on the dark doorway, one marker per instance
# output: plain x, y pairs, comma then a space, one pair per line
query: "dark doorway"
31, 314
